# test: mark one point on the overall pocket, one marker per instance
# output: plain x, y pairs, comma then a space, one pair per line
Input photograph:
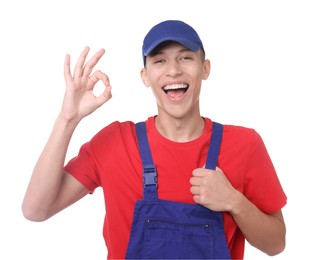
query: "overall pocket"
168, 239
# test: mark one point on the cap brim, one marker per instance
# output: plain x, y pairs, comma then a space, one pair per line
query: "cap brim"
188, 44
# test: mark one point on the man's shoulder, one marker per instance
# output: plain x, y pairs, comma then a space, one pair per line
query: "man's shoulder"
239, 133
116, 128
235, 129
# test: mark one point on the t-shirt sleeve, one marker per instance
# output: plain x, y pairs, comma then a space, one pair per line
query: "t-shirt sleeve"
83, 168
263, 186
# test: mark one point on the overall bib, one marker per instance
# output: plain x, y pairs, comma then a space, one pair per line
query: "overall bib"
163, 229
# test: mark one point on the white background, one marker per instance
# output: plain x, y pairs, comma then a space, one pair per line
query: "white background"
259, 51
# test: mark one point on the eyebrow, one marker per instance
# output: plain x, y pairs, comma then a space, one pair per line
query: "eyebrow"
160, 51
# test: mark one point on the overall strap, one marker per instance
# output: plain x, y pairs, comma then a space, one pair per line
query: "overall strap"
215, 144
149, 170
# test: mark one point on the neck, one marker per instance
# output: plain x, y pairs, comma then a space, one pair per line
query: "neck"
180, 130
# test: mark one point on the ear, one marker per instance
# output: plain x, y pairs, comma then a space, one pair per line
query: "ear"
206, 69
143, 74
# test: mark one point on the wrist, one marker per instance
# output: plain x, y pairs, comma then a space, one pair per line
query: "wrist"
67, 120
65, 123
237, 202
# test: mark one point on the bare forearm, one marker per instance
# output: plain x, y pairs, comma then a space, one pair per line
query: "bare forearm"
263, 231
50, 189
48, 172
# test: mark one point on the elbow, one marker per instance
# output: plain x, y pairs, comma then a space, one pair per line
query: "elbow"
272, 247
275, 246
32, 214
279, 245
279, 248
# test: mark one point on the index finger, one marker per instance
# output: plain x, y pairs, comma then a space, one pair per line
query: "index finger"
78, 69
201, 172
99, 75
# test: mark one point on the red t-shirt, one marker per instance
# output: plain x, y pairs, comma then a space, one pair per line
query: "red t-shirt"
111, 160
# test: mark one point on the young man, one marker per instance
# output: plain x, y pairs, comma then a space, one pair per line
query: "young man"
243, 187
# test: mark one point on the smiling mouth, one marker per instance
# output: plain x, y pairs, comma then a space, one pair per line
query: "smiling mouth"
175, 91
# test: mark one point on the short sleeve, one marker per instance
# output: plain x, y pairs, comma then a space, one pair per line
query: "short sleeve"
83, 168
263, 187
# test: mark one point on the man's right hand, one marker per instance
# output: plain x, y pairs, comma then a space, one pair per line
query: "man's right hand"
80, 100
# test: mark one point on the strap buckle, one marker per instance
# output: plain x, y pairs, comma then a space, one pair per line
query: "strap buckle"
149, 175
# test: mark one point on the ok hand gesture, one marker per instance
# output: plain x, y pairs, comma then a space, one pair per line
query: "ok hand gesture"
80, 100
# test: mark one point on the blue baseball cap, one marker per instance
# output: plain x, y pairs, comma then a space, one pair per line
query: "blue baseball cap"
171, 30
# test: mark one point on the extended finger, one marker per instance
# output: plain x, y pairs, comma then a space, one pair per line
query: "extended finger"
78, 69
67, 70
92, 62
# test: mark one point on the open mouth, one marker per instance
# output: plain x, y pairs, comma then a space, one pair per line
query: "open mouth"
175, 91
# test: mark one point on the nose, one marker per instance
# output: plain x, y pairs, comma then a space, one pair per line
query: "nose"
174, 68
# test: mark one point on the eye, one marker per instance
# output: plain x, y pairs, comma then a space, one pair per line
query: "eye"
186, 58
158, 61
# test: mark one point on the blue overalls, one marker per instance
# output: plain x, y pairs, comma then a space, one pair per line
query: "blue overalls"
163, 229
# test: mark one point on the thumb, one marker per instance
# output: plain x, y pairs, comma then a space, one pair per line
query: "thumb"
105, 96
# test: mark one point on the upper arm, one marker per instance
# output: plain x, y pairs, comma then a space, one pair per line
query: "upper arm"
71, 190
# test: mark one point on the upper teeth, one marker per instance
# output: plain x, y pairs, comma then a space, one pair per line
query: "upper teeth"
175, 86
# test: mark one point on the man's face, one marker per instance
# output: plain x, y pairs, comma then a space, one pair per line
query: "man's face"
175, 74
